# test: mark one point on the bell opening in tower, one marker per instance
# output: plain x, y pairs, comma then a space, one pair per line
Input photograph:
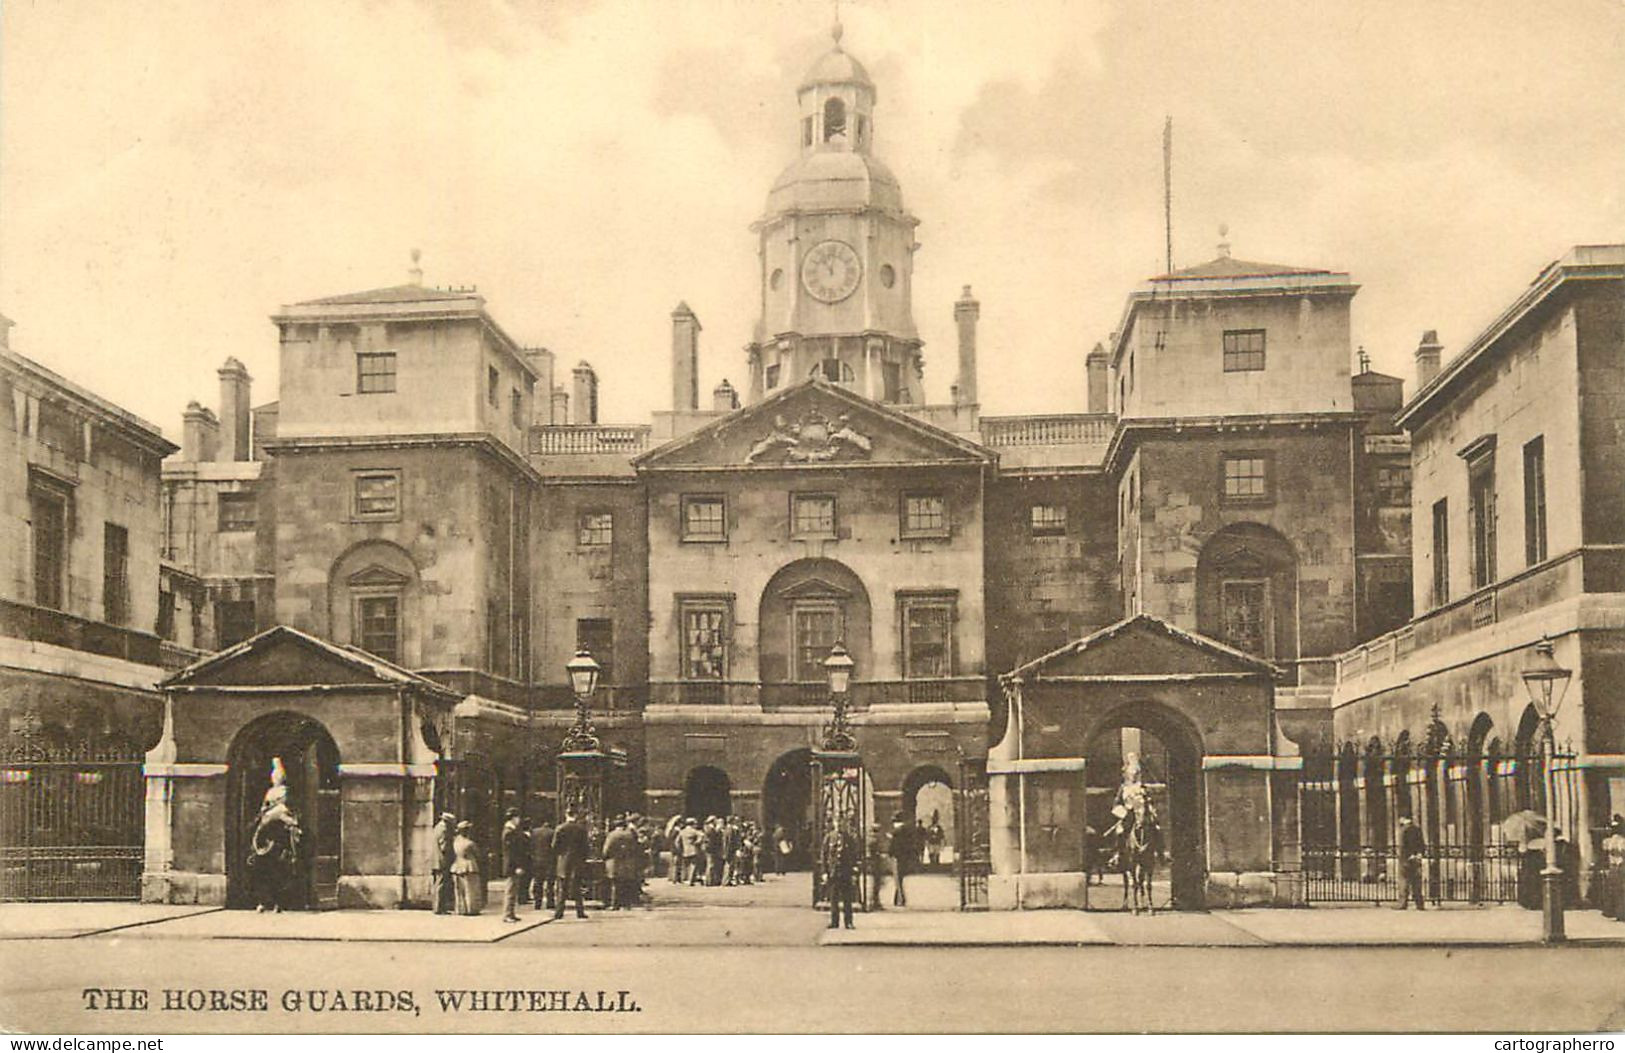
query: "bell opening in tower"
834, 120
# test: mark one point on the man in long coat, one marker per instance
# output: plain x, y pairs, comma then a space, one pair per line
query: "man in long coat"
1412, 854
570, 847
443, 893
840, 871
515, 863
621, 866
543, 883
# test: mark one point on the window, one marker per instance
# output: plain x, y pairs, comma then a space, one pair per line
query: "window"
166, 615
49, 510
812, 515
1481, 516
817, 626
834, 119
834, 370
238, 512
516, 408
772, 376
925, 515
1441, 553
928, 632
115, 574
59, 429
863, 129
378, 619
233, 621
891, 376
707, 625
377, 495
704, 518
1534, 500
1246, 478
1047, 520
1245, 615
1243, 350
375, 372
493, 382
595, 528
1394, 485
597, 635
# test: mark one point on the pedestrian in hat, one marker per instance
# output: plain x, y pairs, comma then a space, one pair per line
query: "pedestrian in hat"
515, 860
570, 847
442, 894
544, 882
903, 853
465, 870
1412, 851
620, 866
1613, 848
691, 844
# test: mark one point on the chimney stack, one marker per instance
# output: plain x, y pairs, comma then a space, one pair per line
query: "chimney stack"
584, 400
1094, 366
541, 360
1427, 358
5, 331
560, 401
685, 359
234, 389
200, 433
724, 399
967, 309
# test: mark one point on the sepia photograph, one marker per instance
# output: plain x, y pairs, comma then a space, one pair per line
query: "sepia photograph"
802, 517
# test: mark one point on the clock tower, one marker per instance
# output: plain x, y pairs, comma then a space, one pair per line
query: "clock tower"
836, 252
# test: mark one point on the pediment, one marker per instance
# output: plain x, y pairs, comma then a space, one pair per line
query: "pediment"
814, 588
1144, 646
282, 656
814, 424
377, 577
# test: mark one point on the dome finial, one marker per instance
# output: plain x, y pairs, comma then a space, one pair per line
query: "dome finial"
836, 31
1224, 239
416, 273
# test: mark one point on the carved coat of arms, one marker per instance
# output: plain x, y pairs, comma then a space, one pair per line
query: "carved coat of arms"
811, 440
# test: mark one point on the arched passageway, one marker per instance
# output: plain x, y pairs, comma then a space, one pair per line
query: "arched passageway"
928, 801
787, 804
1170, 758
707, 792
310, 758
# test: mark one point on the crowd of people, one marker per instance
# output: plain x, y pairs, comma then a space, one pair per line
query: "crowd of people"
724, 850
546, 866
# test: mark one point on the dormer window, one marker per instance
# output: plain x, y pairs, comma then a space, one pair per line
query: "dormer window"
834, 119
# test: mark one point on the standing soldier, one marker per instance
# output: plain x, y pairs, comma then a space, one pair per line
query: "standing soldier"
445, 834
1412, 850
515, 863
840, 869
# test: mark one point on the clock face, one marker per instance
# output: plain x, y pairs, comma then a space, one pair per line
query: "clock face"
830, 271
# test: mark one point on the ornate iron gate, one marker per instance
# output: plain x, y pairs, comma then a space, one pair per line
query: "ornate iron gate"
973, 858
1464, 803
71, 820
839, 804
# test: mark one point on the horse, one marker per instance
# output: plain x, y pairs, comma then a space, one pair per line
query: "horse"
273, 855
1139, 849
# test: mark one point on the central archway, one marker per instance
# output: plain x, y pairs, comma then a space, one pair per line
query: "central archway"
1170, 752
311, 759
707, 792
787, 802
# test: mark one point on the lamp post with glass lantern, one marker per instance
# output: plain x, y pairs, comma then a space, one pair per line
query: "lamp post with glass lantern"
583, 761
1547, 682
838, 775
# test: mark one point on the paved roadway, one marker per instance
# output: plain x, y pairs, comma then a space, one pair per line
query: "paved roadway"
747, 960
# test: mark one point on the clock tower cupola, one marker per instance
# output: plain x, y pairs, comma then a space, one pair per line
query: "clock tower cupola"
837, 251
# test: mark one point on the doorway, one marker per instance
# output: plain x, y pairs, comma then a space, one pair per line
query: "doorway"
787, 801
1171, 772
928, 802
707, 792
311, 760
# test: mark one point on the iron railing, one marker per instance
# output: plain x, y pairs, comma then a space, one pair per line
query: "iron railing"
71, 820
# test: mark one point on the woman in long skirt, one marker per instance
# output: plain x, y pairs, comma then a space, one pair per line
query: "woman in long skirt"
465, 871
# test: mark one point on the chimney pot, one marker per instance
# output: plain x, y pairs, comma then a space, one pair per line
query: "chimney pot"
1427, 358
1094, 366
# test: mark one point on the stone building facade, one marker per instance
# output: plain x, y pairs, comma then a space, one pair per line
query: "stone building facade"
429, 522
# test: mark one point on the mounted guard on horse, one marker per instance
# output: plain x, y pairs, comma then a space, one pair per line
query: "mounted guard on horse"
1136, 836
274, 847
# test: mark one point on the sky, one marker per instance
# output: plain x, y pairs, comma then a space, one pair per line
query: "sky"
173, 171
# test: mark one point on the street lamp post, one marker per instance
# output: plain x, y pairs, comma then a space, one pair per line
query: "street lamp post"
583, 762
838, 776
1547, 683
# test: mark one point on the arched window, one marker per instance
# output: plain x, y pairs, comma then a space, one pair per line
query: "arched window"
835, 371
834, 119
1246, 591
371, 589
